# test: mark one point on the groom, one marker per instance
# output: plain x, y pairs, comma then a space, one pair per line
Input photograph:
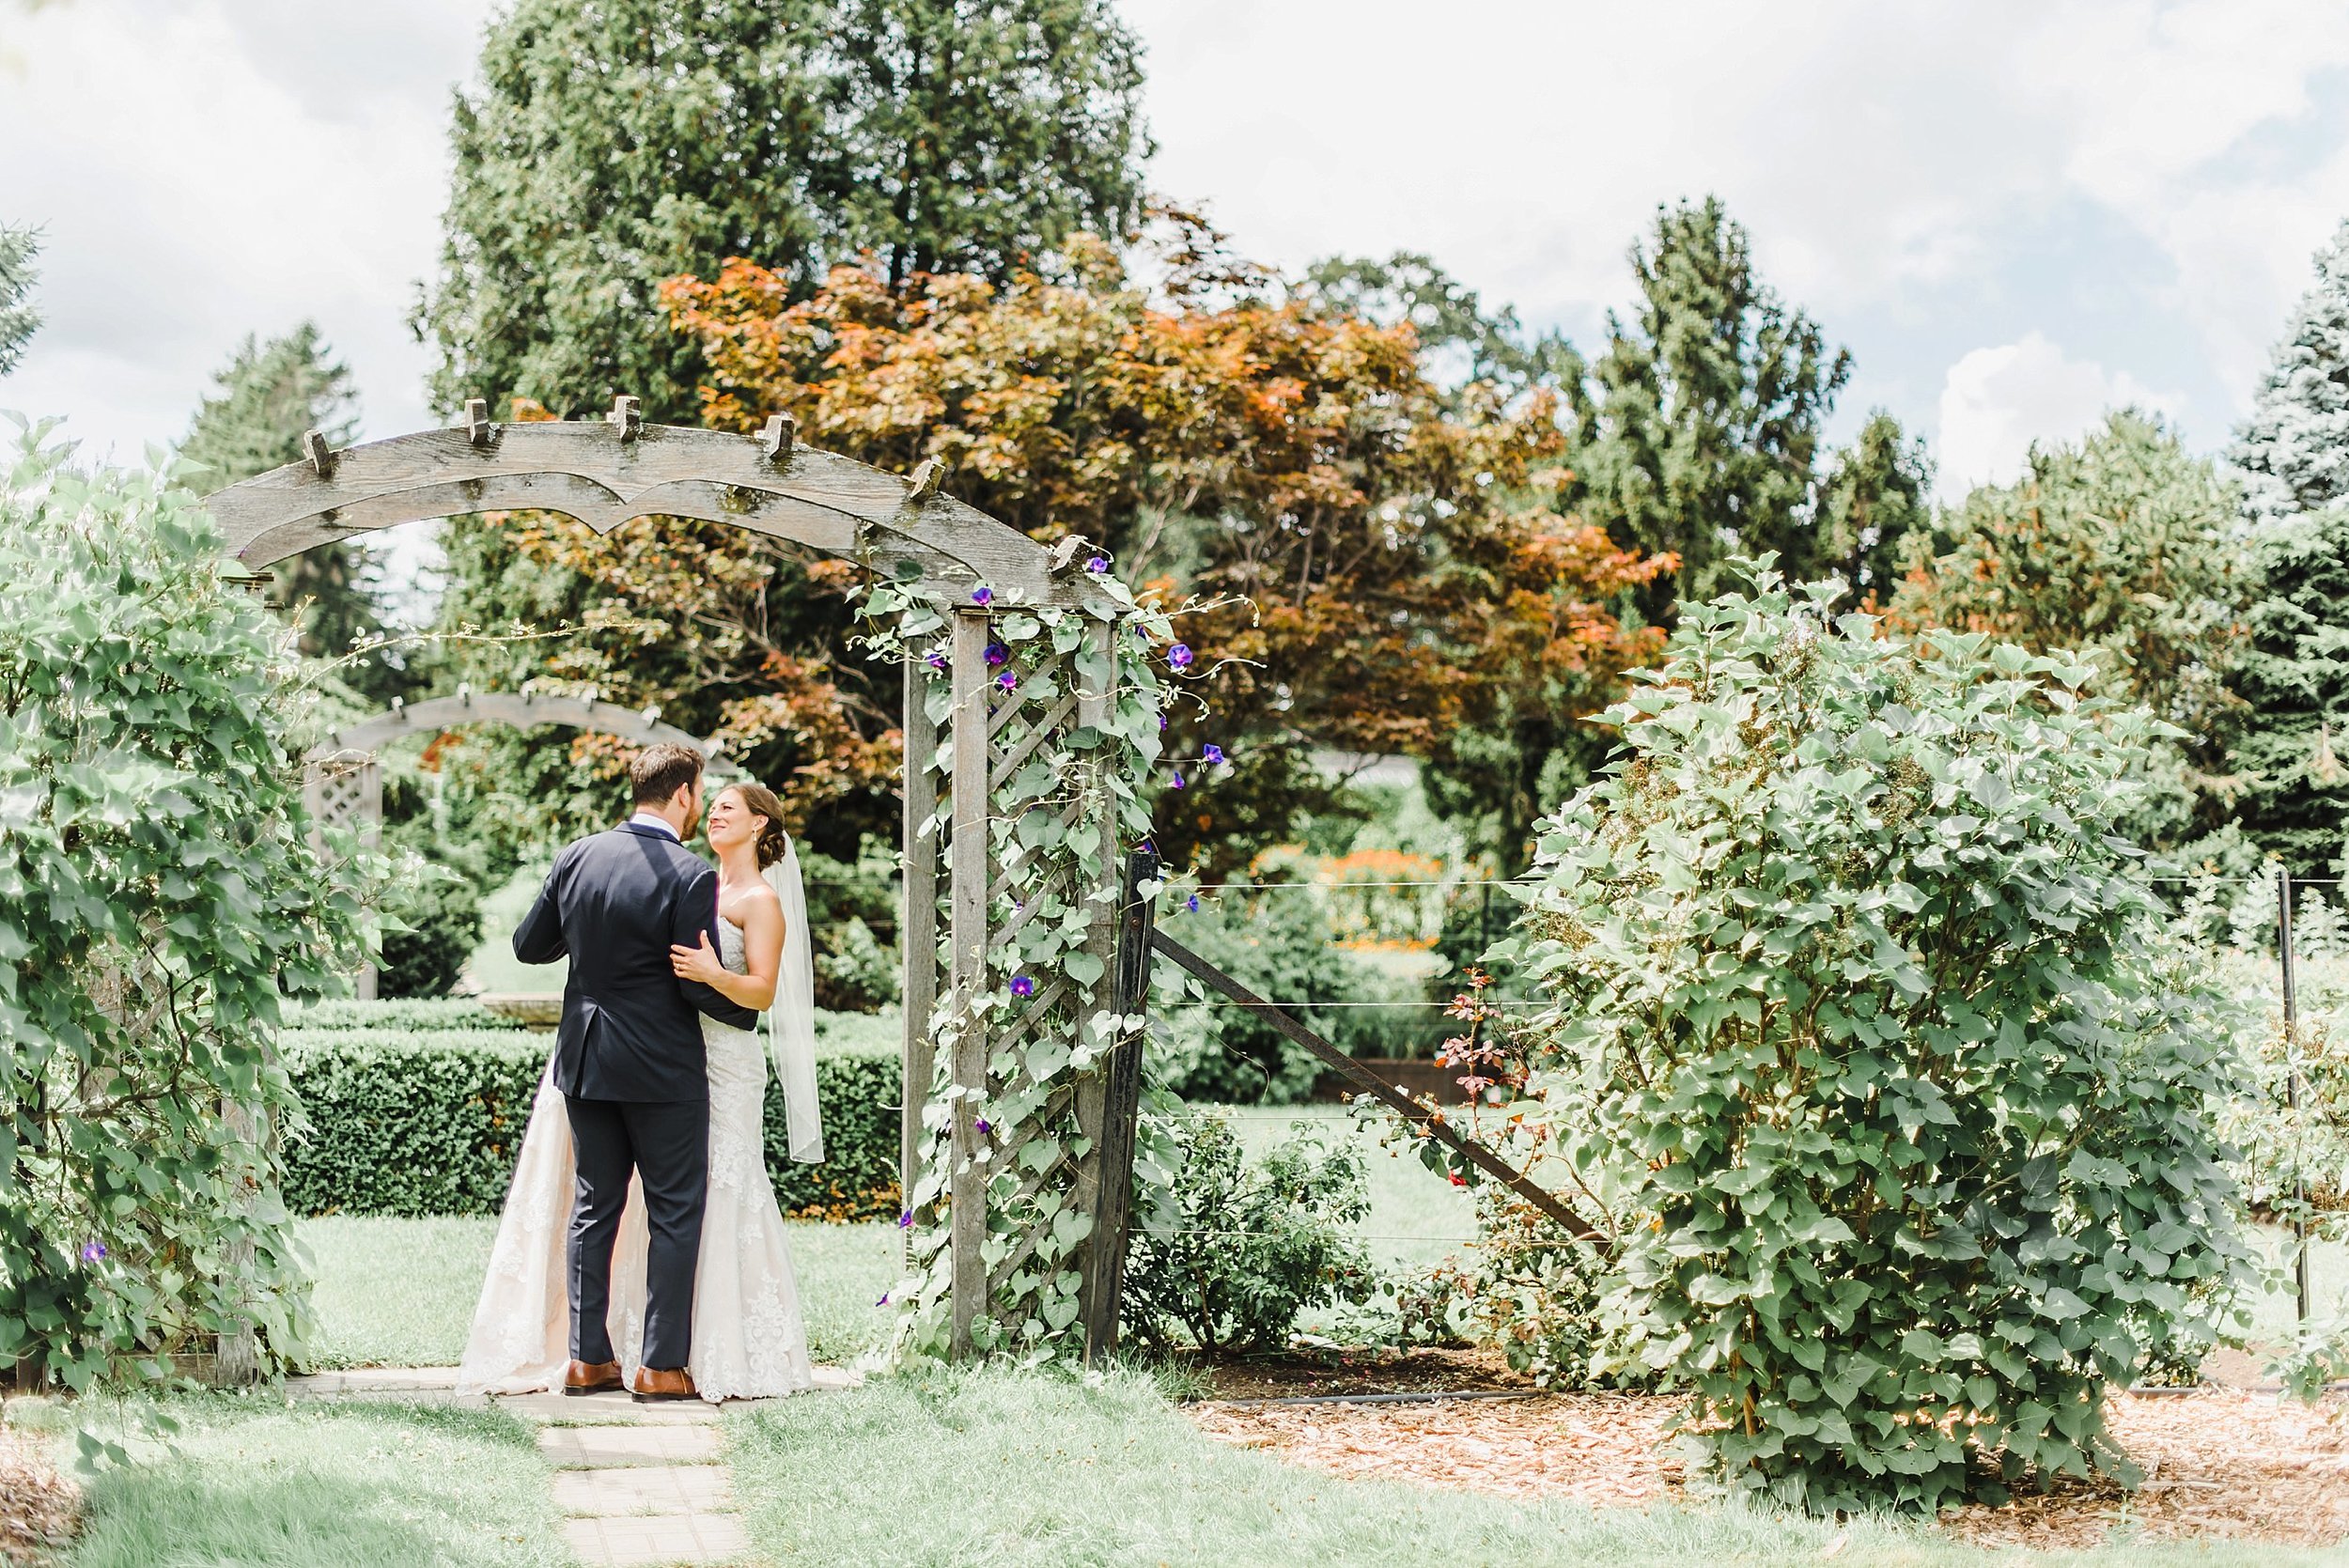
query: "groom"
629, 1061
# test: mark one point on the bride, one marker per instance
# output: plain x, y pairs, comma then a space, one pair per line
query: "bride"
750, 1340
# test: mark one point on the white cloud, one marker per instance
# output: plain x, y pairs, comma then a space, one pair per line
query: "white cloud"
1997, 402
200, 175
210, 168
1885, 158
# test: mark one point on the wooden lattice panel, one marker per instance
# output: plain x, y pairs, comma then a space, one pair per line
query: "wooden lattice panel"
1022, 1202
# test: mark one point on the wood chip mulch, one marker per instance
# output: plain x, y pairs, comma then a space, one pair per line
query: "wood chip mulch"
2220, 1464
1356, 1371
37, 1506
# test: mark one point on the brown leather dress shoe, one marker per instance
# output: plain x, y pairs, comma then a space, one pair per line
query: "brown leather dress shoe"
654, 1384
590, 1377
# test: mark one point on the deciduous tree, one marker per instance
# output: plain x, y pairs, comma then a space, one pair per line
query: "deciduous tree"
1390, 558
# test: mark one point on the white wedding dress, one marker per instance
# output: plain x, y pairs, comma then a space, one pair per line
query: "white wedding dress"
750, 1340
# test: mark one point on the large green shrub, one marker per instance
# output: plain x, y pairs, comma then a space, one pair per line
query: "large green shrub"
415, 1014
158, 895
409, 1122
1248, 1246
1881, 1037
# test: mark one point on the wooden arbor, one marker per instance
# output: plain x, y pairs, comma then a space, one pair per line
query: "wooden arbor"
343, 782
607, 472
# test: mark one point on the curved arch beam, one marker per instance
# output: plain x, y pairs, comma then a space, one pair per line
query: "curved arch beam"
585, 469
520, 710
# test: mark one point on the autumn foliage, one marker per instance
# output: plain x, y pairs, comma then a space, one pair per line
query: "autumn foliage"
1381, 555
1378, 557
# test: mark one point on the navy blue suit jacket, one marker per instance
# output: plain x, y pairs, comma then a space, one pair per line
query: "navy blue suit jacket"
613, 905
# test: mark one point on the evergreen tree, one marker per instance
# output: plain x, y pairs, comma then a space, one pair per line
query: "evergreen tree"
2294, 681
1698, 431
2292, 455
2293, 451
611, 145
18, 319
267, 395
1874, 498
2126, 543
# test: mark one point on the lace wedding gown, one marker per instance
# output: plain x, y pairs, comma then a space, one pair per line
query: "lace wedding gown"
750, 1340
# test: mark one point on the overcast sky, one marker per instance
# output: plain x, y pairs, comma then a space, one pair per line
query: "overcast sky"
2014, 214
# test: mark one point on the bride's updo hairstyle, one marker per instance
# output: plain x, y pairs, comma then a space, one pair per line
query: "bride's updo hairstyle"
773, 840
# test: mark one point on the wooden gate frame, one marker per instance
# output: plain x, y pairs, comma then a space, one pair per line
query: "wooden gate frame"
608, 472
342, 779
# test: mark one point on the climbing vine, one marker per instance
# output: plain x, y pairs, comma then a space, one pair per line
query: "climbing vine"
1058, 825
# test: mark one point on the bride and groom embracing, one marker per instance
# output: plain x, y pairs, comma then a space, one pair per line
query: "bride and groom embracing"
641, 1245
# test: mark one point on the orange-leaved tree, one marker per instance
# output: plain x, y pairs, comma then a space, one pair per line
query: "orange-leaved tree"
1380, 568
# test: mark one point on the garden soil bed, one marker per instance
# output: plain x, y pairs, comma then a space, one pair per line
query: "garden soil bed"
36, 1504
2222, 1463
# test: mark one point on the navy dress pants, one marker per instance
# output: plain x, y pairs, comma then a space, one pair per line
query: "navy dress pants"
667, 1145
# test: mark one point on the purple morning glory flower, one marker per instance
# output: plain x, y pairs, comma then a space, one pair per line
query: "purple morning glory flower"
983, 1126
1008, 680
1022, 987
1178, 780
982, 596
1098, 565
934, 659
1179, 656
883, 1301
1212, 756
92, 1252
997, 654
1149, 847
905, 1220
1161, 723
1191, 902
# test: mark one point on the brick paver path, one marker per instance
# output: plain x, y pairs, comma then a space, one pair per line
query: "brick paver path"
640, 1484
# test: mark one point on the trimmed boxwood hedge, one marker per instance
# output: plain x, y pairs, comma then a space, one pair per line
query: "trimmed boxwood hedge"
405, 1014
410, 1122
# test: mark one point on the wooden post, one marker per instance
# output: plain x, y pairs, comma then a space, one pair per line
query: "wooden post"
968, 865
1095, 706
917, 934
2291, 1097
1112, 1214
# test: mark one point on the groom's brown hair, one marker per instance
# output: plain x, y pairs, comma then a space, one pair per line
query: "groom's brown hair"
660, 771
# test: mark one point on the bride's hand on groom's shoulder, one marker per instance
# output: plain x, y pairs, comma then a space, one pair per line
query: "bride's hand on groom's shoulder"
696, 963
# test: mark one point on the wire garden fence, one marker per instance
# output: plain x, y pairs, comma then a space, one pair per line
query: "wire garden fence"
2280, 943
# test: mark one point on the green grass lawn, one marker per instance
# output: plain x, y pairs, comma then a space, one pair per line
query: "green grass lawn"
493, 966
402, 1292
991, 1466
977, 1467
358, 1484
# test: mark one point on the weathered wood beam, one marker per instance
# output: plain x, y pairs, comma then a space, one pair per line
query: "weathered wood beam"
1121, 1111
523, 709
917, 929
1426, 1118
821, 500
969, 854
